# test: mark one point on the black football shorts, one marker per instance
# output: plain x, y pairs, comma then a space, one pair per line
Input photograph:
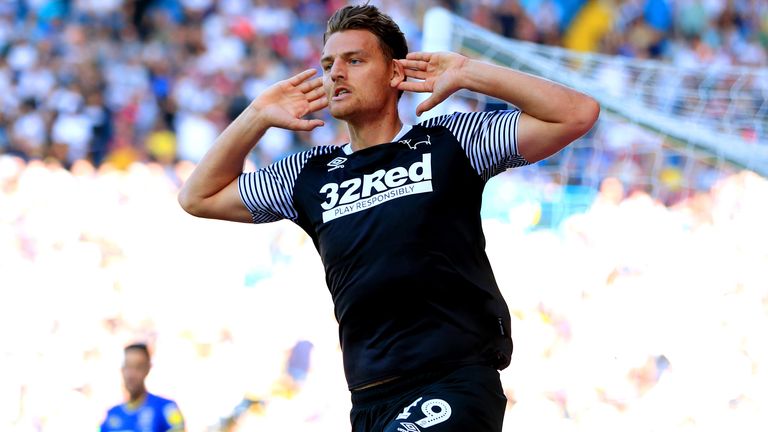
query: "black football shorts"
468, 398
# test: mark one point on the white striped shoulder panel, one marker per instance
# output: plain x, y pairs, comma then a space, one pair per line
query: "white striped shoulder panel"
268, 192
489, 138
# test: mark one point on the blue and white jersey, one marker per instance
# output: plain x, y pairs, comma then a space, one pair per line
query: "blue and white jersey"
153, 414
398, 229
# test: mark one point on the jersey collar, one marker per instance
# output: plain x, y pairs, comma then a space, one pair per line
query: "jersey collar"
347, 148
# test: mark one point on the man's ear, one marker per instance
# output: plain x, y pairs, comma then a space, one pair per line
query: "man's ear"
398, 73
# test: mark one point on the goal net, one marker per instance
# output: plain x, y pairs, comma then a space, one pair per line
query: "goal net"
665, 129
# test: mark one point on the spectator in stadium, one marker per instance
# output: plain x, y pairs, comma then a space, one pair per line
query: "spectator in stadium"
117, 51
395, 213
143, 411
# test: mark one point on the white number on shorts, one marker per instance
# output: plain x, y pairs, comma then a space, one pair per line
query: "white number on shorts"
407, 411
434, 417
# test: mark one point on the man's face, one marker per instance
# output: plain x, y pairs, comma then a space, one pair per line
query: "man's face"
135, 371
357, 77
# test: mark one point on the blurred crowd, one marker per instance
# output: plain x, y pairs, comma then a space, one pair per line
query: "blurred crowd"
157, 80
654, 319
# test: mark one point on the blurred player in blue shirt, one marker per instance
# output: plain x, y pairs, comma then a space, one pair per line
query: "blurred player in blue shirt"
144, 412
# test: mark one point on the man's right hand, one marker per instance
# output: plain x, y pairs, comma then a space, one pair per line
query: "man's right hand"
284, 103
211, 191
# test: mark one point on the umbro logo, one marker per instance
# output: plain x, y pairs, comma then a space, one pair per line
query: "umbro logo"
413, 145
408, 427
336, 163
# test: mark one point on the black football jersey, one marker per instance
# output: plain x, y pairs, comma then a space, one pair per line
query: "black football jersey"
398, 229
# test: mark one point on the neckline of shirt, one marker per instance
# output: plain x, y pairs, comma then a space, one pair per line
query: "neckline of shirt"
347, 148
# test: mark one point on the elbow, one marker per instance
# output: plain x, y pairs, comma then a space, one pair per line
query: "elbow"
581, 119
188, 203
585, 117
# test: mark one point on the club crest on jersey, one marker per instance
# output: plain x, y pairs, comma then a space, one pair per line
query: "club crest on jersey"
413, 144
336, 163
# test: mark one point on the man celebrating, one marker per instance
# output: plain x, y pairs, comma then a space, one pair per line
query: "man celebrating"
144, 412
395, 213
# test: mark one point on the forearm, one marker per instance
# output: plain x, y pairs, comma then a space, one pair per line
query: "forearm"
537, 97
224, 162
212, 190
553, 115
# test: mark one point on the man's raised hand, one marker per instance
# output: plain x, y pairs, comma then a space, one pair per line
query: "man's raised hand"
284, 103
439, 73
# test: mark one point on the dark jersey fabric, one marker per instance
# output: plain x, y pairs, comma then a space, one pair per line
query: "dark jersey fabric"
398, 229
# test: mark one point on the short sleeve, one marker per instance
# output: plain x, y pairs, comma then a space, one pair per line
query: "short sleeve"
268, 192
172, 415
489, 139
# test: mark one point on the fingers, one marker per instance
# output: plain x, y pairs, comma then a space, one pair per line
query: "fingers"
315, 94
301, 77
318, 104
414, 86
416, 65
409, 73
317, 99
415, 68
426, 105
419, 55
310, 86
306, 125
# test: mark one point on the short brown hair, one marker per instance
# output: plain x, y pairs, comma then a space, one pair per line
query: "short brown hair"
141, 347
368, 17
